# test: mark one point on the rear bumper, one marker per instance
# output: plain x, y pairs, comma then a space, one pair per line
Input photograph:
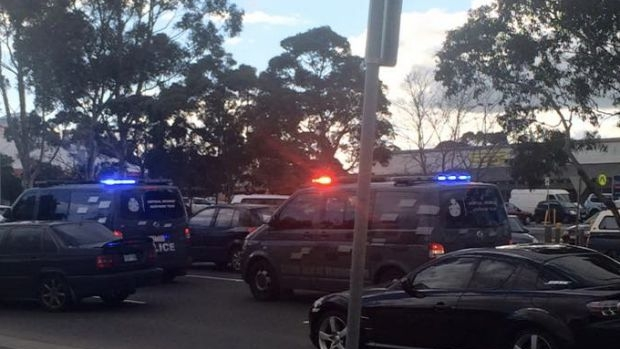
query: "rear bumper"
601, 335
96, 285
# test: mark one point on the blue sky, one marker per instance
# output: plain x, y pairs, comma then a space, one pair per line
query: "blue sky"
267, 22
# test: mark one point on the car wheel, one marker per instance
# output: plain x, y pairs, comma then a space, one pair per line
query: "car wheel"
55, 294
235, 259
331, 331
115, 297
388, 275
168, 276
263, 281
533, 339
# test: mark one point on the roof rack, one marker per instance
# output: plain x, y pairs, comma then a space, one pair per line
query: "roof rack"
403, 181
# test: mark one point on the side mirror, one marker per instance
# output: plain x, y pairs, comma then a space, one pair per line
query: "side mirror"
407, 286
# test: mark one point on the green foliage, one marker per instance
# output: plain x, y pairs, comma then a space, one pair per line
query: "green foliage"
10, 185
308, 109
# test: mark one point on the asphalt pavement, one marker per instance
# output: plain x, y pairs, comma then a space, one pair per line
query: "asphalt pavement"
206, 309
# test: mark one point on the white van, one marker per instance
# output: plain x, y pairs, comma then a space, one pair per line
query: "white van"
527, 200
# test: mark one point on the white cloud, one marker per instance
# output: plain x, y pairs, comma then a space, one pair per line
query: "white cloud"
260, 17
233, 41
478, 3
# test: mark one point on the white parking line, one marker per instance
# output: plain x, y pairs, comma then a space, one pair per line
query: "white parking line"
134, 302
213, 278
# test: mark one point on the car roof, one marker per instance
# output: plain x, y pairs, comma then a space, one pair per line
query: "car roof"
104, 186
42, 223
428, 186
540, 253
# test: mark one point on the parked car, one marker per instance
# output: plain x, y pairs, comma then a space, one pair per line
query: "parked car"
592, 204
518, 296
218, 232
518, 233
524, 216
307, 243
604, 234
528, 199
131, 208
565, 212
59, 263
3, 209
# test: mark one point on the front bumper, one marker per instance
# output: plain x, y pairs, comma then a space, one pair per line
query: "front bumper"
98, 284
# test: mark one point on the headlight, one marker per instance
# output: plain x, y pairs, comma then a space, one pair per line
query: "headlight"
573, 212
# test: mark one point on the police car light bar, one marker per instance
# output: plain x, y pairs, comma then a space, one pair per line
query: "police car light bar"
452, 178
117, 181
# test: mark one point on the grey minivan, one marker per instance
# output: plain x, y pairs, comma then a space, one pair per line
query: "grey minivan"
308, 241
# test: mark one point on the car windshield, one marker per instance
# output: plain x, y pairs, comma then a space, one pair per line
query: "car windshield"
592, 269
82, 234
568, 204
515, 224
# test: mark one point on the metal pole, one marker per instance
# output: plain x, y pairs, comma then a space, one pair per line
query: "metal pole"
369, 118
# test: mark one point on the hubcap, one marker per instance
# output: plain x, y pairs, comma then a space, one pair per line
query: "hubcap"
53, 293
235, 261
532, 341
263, 280
332, 333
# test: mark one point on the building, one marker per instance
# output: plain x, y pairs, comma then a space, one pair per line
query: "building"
491, 164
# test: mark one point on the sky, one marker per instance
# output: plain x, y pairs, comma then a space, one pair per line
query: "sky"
423, 27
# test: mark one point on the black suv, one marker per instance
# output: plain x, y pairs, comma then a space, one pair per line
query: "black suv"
130, 208
308, 241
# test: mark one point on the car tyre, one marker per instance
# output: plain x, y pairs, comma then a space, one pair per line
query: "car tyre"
533, 338
115, 297
234, 257
330, 331
264, 282
168, 276
54, 293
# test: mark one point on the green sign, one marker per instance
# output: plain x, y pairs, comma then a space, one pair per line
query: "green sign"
601, 179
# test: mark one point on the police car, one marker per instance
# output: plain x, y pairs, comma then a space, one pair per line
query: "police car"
308, 241
129, 207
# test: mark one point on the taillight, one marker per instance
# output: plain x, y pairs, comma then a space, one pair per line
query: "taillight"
118, 234
604, 308
151, 255
435, 250
251, 230
187, 233
105, 262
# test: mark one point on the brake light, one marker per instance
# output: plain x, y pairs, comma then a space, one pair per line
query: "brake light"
323, 180
604, 308
118, 234
105, 262
435, 250
251, 230
187, 233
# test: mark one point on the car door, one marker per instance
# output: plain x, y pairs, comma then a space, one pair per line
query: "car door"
483, 308
221, 233
425, 318
21, 258
292, 240
200, 225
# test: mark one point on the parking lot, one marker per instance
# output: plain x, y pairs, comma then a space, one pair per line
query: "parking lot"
207, 308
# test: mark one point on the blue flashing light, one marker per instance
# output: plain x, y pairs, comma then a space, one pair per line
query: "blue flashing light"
111, 181
452, 178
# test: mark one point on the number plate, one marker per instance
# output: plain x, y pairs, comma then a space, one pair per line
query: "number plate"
130, 258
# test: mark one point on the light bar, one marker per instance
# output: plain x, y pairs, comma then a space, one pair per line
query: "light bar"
452, 178
323, 180
117, 181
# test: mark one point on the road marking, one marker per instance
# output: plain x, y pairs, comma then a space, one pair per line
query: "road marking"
19, 343
213, 278
134, 302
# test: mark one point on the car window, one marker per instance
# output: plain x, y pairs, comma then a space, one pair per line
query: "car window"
449, 274
592, 269
90, 205
301, 212
24, 207
339, 211
549, 279
525, 278
54, 205
404, 210
226, 218
204, 217
515, 225
22, 240
84, 233
472, 207
261, 215
492, 275
608, 223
